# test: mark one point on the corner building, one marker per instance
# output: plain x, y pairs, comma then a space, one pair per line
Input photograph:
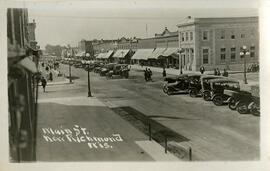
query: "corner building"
217, 42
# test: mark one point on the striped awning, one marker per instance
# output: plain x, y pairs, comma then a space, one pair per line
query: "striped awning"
121, 53
100, 55
142, 54
170, 52
107, 55
156, 53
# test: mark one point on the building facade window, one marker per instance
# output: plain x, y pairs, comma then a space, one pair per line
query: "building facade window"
205, 35
232, 36
252, 51
205, 55
233, 53
243, 35
222, 34
191, 35
222, 54
182, 37
186, 36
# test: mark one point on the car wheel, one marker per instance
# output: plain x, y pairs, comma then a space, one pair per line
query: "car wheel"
193, 93
218, 100
233, 104
255, 109
207, 96
242, 108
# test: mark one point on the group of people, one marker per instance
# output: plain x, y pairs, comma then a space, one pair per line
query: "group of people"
216, 71
148, 74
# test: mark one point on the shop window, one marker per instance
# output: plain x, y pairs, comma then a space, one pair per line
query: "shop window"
205, 55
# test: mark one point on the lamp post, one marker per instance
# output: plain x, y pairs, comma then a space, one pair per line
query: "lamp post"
180, 51
243, 53
69, 60
88, 74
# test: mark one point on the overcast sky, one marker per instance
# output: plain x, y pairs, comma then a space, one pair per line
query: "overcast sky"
68, 22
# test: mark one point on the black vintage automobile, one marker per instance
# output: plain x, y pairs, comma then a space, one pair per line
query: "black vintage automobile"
106, 68
121, 70
200, 85
246, 102
221, 89
178, 84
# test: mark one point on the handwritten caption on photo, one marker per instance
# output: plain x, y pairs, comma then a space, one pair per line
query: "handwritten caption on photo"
78, 134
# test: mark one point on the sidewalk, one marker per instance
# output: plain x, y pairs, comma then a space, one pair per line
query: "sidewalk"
253, 78
83, 129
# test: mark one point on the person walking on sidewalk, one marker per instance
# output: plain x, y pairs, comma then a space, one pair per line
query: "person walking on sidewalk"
43, 83
164, 72
146, 74
150, 74
51, 76
225, 73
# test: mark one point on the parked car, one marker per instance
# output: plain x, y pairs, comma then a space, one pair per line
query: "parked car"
221, 89
119, 69
179, 84
200, 85
106, 68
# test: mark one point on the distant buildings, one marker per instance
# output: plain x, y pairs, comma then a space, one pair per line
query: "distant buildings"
208, 42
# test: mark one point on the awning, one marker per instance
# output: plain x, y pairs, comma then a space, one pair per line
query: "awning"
28, 64
170, 52
100, 56
156, 53
108, 54
121, 53
142, 54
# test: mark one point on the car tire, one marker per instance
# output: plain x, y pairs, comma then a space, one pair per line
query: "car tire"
242, 108
232, 104
193, 93
207, 96
218, 100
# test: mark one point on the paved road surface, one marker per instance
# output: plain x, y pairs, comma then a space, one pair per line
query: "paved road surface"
214, 133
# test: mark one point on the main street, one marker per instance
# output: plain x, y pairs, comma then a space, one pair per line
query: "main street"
213, 133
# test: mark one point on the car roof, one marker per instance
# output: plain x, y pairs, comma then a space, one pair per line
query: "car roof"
224, 80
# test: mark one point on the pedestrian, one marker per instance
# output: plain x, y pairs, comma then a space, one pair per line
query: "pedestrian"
146, 74
225, 73
150, 74
218, 72
164, 72
43, 83
202, 69
215, 71
50, 76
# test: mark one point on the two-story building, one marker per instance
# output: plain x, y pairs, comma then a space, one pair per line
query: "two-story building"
217, 42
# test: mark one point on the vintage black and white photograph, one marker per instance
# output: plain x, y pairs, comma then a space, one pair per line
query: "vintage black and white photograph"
132, 81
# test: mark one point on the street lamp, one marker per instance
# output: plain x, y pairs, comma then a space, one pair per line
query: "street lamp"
88, 72
243, 53
69, 60
180, 51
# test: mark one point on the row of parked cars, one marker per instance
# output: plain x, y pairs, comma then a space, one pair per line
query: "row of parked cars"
218, 89
110, 70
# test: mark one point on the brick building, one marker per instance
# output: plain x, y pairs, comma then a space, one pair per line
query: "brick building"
217, 42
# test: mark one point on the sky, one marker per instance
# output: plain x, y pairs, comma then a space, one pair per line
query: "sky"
67, 22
